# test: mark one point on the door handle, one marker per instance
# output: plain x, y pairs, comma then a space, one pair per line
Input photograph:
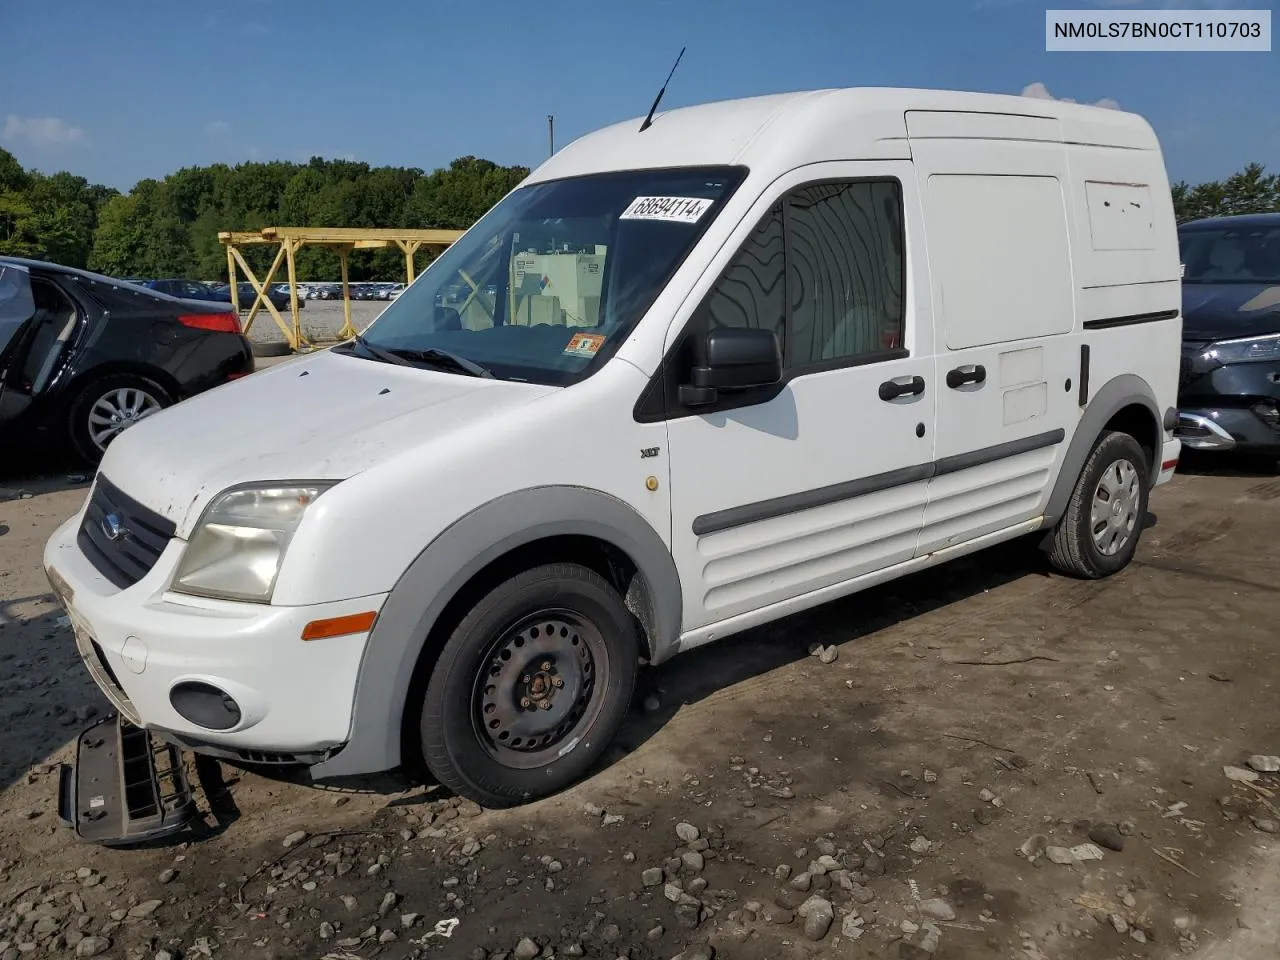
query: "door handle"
973, 373
901, 387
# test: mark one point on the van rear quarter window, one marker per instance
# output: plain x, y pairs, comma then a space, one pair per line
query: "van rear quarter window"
999, 250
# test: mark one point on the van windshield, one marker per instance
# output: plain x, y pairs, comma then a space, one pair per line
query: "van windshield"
551, 280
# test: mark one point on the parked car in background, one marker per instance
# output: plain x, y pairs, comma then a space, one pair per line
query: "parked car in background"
1229, 387
394, 291
279, 298
83, 356
188, 289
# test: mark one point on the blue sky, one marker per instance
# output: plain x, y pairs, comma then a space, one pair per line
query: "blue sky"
128, 89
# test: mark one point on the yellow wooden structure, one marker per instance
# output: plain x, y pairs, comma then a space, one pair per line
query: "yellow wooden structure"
342, 239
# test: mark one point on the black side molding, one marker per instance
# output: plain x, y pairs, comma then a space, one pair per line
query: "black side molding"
850, 489
808, 499
1011, 448
1105, 323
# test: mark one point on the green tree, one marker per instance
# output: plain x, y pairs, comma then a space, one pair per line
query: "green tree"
170, 227
49, 217
120, 242
1252, 190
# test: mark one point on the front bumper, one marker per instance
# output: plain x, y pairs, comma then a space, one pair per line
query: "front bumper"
1232, 407
1200, 431
1226, 428
294, 697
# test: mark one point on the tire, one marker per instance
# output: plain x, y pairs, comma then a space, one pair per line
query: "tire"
1099, 531
270, 348
125, 392
481, 709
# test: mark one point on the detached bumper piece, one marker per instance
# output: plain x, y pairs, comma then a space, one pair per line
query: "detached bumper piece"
125, 787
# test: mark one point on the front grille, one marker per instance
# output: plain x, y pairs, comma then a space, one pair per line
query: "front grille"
141, 535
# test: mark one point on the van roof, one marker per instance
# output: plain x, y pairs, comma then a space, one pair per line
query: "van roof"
786, 130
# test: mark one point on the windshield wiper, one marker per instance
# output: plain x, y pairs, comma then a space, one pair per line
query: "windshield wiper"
443, 358
383, 355
432, 356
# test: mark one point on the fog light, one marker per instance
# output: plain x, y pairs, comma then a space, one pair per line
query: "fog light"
1268, 413
205, 705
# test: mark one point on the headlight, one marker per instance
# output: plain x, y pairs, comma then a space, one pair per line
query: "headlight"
1244, 350
237, 547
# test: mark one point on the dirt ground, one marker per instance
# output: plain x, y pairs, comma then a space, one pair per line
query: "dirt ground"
975, 714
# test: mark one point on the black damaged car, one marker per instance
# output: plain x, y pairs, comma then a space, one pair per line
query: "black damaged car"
1229, 388
83, 356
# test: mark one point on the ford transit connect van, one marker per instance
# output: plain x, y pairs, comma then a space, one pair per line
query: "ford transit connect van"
682, 381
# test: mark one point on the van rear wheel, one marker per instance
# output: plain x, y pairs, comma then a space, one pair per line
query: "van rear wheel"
1099, 531
531, 686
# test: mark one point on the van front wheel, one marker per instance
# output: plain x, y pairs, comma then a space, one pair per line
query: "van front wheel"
1099, 531
531, 686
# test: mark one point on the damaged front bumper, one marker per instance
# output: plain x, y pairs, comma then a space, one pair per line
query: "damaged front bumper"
124, 787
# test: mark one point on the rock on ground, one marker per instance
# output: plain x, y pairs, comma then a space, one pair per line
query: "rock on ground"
937, 909
817, 914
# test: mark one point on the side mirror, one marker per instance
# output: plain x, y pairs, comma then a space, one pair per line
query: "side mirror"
733, 358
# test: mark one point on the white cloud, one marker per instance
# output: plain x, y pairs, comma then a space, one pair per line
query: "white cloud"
217, 127
41, 131
1038, 91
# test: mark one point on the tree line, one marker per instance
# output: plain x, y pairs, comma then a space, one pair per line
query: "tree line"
169, 227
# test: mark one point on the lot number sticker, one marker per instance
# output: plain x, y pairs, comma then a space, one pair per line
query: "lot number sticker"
584, 345
671, 209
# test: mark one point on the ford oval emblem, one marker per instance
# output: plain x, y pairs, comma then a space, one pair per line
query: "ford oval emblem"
113, 528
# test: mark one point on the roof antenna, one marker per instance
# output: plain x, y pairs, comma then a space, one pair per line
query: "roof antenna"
648, 121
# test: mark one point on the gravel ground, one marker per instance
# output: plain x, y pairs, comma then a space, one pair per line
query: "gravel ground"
321, 320
984, 761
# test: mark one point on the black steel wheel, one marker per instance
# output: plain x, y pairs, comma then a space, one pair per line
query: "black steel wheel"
535, 696
531, 686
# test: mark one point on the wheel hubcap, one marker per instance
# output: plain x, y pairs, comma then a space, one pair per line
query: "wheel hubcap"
1114, 514
118, 410
535, 688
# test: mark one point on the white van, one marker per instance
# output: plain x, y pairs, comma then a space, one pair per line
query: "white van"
760, 355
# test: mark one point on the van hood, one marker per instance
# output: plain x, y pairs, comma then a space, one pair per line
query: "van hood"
1224, 311
324, 417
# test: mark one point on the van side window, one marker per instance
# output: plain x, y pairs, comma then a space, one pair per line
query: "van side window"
824, 269
845, 272
751, 291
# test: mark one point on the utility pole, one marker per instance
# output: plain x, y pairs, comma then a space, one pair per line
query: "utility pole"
551, 135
